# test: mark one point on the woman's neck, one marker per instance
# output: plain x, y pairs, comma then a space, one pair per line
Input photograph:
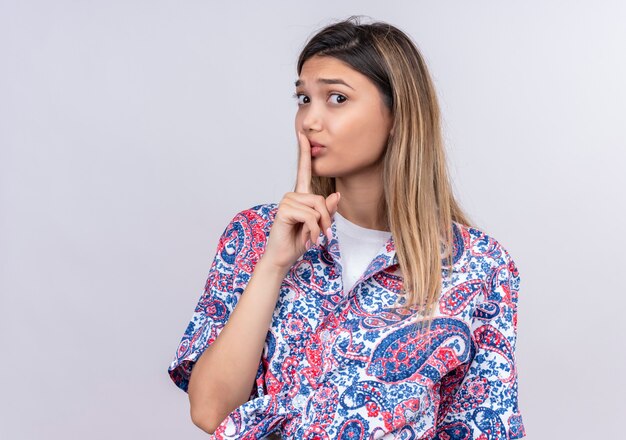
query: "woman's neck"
360, 201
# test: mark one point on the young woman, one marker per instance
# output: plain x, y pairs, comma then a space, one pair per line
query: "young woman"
364, 305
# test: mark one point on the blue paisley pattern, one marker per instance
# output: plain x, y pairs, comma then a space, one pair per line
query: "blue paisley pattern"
347, 365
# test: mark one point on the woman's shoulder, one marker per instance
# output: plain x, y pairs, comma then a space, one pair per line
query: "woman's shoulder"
259, 212
256, 218
479, 249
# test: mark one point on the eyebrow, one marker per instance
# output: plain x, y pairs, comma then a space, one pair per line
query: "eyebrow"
299, 82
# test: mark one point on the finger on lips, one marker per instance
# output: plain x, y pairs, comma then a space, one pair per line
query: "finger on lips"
303, 180
305, 194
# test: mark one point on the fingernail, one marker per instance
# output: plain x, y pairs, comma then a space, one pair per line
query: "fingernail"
329, 234
338, 196
308, 244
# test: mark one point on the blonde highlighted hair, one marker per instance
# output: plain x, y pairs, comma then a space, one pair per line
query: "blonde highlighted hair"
418, 206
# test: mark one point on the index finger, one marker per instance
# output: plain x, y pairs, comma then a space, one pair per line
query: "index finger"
303, 178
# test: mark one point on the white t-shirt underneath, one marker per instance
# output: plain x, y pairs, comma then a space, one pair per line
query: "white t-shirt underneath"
357, 246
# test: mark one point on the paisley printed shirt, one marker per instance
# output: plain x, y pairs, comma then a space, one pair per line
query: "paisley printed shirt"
348, 365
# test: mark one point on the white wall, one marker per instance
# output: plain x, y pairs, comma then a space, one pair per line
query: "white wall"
132, 131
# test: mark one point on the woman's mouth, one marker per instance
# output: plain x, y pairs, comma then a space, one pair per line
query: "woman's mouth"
316, 149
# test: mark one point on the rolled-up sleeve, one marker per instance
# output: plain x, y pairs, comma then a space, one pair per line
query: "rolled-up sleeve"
228, 275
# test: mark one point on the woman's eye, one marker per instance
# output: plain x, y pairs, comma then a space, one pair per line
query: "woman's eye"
297, 96
300, 98
341, 96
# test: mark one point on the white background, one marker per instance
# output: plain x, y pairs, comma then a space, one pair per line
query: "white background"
131, 132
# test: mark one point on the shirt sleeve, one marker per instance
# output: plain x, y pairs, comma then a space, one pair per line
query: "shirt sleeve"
232, 267
479, 399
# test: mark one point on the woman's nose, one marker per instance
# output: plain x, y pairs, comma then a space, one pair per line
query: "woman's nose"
312, 120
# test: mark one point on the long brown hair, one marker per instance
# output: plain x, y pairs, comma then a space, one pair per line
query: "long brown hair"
418, 204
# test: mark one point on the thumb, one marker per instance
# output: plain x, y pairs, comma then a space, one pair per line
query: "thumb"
332, 201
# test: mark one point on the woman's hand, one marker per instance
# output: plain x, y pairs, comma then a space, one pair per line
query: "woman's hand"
301, 217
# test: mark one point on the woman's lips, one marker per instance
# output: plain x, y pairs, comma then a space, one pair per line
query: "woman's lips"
316, 149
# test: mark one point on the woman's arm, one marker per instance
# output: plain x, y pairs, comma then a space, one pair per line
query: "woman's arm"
223, 377
484, 401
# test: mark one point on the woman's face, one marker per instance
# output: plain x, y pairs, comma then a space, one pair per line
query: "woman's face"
349, 119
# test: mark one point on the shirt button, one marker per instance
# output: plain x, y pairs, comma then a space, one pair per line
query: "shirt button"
299, 401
